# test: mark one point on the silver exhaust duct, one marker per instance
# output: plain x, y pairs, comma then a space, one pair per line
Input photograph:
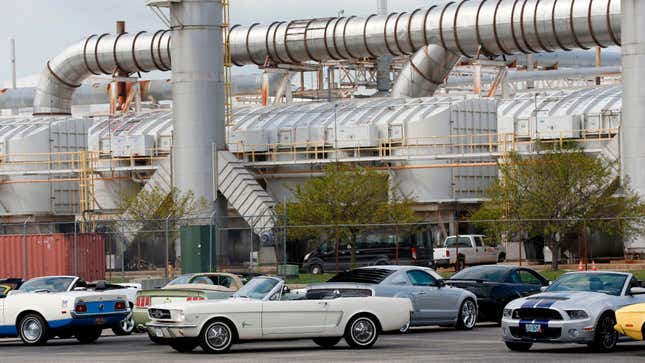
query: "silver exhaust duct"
466, 27
96, 55
425, 72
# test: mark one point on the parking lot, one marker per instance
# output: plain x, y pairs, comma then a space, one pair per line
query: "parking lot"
436, 344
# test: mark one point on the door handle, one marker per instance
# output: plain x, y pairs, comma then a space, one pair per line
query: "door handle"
323, 303
421, 293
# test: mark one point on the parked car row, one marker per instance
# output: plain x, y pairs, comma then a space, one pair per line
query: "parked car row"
217, 310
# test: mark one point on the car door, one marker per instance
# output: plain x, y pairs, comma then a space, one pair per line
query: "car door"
435, 304
479, 255
293, 318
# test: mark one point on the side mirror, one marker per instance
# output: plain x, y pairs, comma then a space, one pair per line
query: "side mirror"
636, 291
285, 289
543, 288
349, 247
441, 283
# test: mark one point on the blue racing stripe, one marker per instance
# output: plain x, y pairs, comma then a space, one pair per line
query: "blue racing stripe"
528, 304
546, 303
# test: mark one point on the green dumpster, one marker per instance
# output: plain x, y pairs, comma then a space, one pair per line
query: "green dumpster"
197, 249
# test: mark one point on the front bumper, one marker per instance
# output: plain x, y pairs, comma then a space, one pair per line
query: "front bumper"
632, 330
552, 331
172, 330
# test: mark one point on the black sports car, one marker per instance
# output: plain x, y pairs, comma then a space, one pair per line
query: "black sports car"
497, 285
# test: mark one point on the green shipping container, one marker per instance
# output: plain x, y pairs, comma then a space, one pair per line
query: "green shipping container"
196, 244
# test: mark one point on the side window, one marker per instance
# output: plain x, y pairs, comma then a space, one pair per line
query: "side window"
464, 242
421, 278
528, 278
514, 278
327, 248
479, 242
202, 280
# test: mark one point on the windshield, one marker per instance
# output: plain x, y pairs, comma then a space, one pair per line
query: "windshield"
490, 273
611, 284
257, 288
181, 280
47, 284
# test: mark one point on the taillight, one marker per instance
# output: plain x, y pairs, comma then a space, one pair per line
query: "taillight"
414, 253
142, 301
195, 298
81, 308
119, 305
447, 253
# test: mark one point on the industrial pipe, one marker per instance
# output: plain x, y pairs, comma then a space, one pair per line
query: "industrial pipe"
96, 55
465, 27
425, 72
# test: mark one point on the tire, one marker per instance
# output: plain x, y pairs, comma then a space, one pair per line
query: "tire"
33, 330
316, 269
361, 332
184, 346
327, 342
501, 258
88, 335
519, 347
467, 316
460, 265
125, 327
217, 336
605, 336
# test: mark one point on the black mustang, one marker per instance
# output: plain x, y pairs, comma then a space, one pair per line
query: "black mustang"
497, 285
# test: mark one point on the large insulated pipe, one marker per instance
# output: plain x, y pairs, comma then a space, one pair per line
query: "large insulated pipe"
632, 126
383, 63
96, 55
425, 72
198, 96
465, 27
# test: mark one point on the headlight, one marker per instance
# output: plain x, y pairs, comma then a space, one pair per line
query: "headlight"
307, 256
508, 313
577, 314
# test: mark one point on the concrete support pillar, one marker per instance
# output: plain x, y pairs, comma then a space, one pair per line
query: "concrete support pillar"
632, 131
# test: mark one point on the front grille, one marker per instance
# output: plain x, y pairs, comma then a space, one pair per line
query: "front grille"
536, 314
547, 333
160, 314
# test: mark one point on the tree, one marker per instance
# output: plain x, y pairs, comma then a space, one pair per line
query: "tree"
560, 191
347, 198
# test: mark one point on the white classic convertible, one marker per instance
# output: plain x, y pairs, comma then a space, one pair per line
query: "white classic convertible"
264, 309
45, 307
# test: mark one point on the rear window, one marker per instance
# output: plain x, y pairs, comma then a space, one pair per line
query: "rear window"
489, 273
463, 242
363, 275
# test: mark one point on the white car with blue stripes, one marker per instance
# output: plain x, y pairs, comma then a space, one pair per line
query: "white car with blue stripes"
47, 307
579, 307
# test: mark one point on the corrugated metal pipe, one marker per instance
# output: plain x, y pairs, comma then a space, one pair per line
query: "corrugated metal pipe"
465, 28
96, 55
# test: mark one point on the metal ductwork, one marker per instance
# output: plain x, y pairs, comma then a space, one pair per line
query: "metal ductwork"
466, 27
96, 55
425, 72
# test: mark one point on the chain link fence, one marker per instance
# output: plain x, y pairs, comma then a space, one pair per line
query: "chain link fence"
126, 250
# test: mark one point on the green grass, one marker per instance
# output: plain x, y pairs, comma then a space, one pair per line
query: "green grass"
310, 279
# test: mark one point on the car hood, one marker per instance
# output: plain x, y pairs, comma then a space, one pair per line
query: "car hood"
561, 300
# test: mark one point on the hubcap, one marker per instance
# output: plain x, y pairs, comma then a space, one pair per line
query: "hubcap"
363, 331
218, 336
315, 270
607, 333
469, 314
31, 329
127, 324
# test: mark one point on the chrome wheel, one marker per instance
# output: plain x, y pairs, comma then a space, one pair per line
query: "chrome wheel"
127, 324
316, 270
363, 331
32, 329
217, 337
469, 314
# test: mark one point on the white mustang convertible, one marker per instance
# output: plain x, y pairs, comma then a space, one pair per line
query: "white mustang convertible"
45, 307
264, 309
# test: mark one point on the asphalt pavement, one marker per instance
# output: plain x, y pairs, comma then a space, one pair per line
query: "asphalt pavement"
482, 344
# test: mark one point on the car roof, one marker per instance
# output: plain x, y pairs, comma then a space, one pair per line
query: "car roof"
599, 272
395, 267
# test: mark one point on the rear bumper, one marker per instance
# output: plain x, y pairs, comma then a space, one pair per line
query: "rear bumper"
105, 321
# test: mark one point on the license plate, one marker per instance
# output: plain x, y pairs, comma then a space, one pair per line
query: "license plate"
100, 321
533, 328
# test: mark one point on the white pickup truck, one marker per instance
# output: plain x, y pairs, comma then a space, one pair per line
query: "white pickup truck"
471, 250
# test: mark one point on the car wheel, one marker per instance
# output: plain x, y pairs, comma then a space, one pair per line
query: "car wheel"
519, 347
216, 337
184, 346
605, 336
361, 332
316, 269
33, 330
327, 342
467, 317
125, 327
88, 335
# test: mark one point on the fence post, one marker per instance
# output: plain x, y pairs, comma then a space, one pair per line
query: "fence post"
456, 246
75, 249
122, 251
24, 249
284, 234
210, 241
166, 251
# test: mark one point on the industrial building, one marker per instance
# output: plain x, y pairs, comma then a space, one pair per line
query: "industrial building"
434, 97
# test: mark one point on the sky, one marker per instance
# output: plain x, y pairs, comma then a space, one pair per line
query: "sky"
43, 28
